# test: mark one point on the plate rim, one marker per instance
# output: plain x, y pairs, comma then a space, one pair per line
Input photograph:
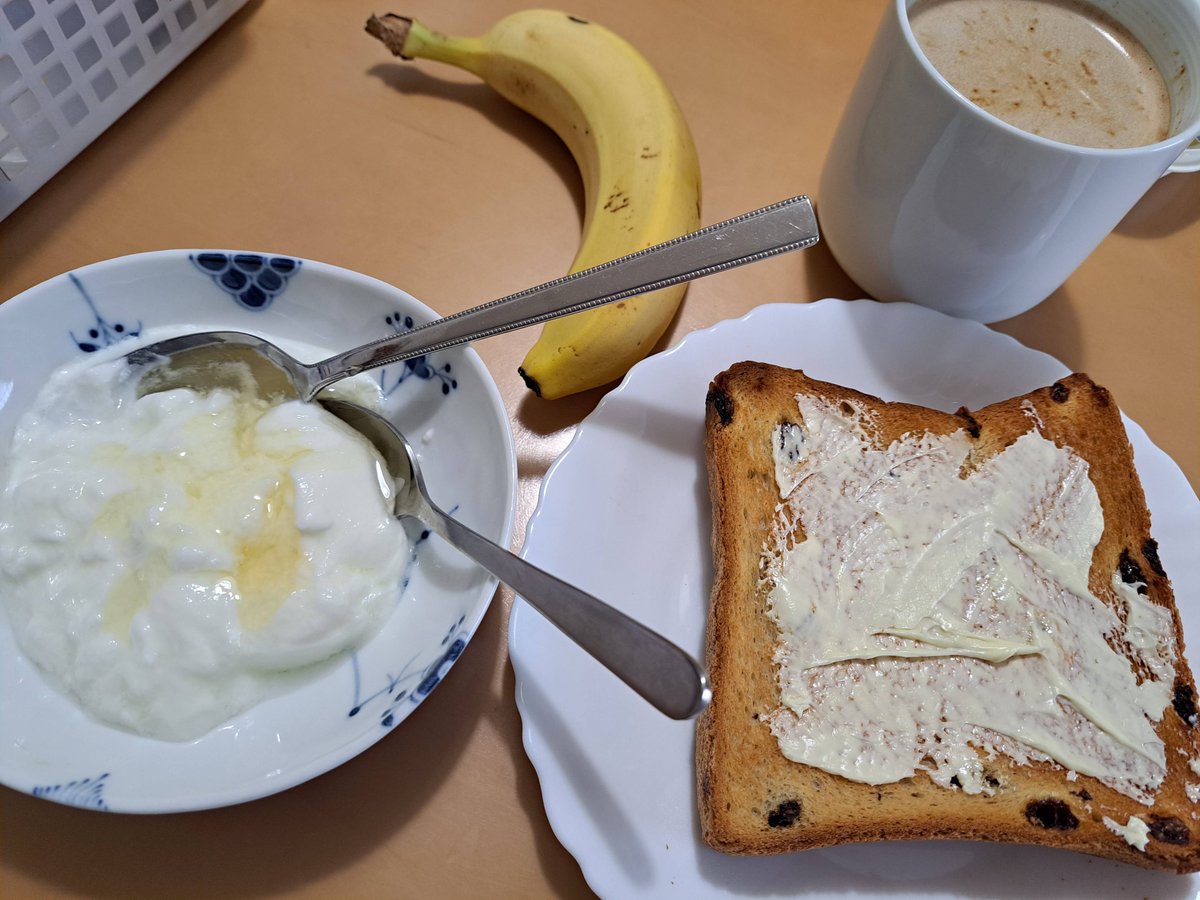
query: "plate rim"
542, 758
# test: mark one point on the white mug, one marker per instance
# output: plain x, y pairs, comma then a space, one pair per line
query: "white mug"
926, 197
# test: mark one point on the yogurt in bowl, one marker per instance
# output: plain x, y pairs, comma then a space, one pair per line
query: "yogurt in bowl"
207, 599
172, 560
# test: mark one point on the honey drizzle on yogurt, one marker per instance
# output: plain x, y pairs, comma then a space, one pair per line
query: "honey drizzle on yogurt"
268, 563
934, 608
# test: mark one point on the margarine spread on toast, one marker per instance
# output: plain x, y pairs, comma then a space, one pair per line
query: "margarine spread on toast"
929, 608
1135, 832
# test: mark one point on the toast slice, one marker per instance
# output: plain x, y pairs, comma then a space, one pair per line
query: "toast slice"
755, 800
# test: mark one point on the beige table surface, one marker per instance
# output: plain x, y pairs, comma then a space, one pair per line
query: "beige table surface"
291, 130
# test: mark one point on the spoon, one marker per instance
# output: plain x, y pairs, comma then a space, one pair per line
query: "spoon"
662, 673
190, 360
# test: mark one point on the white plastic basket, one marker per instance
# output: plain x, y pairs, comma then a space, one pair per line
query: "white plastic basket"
70, 68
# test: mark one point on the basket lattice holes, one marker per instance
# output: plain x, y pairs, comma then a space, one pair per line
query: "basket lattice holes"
69, 68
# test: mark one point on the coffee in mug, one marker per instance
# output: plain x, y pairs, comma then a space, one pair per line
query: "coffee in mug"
1057, 68
932, 192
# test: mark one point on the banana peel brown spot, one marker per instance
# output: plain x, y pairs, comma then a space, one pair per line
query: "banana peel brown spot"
523, 86
617, 201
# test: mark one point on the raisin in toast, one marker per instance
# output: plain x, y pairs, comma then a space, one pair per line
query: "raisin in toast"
754, 800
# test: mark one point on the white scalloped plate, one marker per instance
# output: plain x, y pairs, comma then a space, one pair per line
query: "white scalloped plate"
446, 403
624, 513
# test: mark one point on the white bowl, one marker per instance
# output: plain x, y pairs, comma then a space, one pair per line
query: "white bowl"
448, 406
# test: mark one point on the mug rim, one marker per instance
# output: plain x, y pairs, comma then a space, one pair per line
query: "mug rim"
1180, 141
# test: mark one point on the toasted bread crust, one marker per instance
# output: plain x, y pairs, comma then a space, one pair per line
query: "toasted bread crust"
755, 801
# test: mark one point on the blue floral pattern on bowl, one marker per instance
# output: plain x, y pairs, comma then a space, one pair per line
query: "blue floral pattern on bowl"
413, 683
417, 367
101, 333
86, 792
253, 280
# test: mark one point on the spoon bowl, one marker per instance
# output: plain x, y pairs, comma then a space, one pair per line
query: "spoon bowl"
233, 360
662, 673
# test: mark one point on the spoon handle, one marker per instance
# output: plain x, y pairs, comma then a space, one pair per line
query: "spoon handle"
662, 673
787, 225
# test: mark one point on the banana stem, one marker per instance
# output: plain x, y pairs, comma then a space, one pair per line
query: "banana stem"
409, 39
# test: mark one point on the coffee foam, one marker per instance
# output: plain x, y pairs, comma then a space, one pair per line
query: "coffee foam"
1056, 68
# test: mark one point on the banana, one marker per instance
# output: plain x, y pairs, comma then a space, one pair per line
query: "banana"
641, 175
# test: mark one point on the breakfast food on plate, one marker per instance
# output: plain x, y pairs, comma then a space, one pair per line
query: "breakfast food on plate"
171, 560
935, 625
641, 175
